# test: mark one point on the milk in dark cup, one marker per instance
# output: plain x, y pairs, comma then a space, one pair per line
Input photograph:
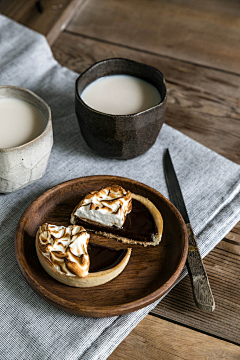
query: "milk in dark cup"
120, 95
120, 106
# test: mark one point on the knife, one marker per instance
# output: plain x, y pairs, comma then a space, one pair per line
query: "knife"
202, 292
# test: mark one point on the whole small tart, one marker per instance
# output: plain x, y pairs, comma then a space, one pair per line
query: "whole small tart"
116, 213
66, 254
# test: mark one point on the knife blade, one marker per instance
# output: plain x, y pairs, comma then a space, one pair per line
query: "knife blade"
202, 292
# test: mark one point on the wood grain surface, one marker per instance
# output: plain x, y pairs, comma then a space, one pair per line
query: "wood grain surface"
49, 17
158, 339
149, 274
223, 269
203, 32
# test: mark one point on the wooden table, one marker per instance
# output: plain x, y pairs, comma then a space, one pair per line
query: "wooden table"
197, 47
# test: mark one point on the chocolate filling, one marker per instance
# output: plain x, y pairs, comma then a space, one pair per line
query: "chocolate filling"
139, 224
103, 258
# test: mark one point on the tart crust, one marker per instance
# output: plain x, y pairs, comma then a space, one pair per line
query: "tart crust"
91, 280
151, 208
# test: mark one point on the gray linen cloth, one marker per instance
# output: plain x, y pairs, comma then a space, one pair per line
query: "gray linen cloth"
30, 327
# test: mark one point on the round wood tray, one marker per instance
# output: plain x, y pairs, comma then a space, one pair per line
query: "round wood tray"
151, 270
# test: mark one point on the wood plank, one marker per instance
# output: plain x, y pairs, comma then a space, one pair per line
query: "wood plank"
203, 103
204, 32
156, 338
223, 268
49, 17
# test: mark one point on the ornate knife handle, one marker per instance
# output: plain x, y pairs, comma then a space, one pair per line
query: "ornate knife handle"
202, 292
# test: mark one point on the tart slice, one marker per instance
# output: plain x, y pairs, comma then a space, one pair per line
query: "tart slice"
116, 213
66, 254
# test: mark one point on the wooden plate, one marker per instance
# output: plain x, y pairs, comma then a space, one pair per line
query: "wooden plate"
150, 273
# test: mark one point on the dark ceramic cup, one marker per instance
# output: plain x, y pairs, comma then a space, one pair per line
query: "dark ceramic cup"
120, 136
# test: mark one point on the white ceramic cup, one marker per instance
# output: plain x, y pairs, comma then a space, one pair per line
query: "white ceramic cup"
22, 165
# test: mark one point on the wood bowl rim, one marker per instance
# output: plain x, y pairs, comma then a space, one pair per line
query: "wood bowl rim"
93, 311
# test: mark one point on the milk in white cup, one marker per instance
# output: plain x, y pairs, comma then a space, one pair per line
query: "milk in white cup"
20, 122
26, 138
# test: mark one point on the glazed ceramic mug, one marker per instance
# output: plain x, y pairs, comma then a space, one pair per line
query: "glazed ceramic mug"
120, 136
24, 164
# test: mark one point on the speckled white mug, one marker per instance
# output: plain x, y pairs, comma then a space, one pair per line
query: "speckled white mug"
22, 165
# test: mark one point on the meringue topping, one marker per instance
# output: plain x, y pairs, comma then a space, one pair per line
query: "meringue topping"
108, 206
65, 248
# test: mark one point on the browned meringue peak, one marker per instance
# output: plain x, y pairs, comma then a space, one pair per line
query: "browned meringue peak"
62, 252
65, 248
108, 206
